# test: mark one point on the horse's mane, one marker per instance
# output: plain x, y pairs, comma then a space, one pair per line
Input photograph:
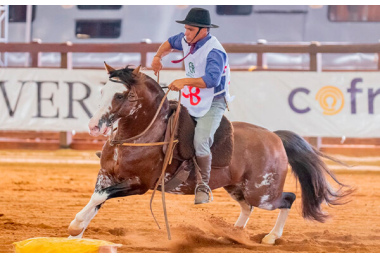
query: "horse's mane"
130, 79
125, 75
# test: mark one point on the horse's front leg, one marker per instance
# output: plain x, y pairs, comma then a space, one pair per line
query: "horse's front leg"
107, 187
84, 217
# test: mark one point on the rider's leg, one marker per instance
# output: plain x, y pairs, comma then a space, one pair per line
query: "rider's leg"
203, 140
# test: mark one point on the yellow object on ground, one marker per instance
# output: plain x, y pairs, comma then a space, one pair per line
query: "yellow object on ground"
64, 245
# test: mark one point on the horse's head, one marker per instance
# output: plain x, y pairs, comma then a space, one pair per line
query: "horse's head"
126, 92
115, 94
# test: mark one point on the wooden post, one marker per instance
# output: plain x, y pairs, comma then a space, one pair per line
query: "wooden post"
35, 54
143, 58
66, 57
261, 61
63, 59
65, 139
315, 57
316, 141
34, 58
143, 52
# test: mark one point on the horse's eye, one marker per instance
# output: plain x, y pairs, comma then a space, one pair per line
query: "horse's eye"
119, 96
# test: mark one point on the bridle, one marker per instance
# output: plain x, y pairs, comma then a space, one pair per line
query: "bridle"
133, 97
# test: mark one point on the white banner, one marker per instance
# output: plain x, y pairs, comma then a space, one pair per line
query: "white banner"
48, 99
331, 104
308, 103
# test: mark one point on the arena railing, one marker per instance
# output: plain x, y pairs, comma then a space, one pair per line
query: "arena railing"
314, 50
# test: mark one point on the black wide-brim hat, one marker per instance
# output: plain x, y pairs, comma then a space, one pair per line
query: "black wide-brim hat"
198, 17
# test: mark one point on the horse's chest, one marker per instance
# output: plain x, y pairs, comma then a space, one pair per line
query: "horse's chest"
138, 159
126, 159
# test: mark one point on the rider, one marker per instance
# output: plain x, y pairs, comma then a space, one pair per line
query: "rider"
205, 89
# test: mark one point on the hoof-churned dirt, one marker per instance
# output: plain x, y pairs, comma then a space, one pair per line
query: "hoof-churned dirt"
42, 191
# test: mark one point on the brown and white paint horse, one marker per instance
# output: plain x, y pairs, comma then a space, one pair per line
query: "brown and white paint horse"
254, 178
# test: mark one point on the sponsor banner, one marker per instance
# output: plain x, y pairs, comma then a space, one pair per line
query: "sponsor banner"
331, 104
48, 99
308, 103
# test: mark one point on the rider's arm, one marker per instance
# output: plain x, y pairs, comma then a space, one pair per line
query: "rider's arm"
163, 50
180, 83
173, 42
214, 68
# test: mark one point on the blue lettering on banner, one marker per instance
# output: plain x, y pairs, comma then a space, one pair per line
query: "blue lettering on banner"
353, 90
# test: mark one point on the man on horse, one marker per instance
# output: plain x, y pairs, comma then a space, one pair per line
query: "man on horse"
205, 88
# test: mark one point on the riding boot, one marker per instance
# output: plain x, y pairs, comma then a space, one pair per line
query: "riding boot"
202, 189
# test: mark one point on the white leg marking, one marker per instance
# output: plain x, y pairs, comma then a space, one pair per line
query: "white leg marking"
277, 229
85, 224
115, 154
83, 218
246, 211
264, 203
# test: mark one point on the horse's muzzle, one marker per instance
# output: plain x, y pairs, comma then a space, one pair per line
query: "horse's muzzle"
94, 130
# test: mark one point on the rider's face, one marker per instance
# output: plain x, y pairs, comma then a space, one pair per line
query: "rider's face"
191, 31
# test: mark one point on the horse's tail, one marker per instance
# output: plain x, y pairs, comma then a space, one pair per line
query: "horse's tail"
310, 170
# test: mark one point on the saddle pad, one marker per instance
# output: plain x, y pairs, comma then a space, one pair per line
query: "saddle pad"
223, 140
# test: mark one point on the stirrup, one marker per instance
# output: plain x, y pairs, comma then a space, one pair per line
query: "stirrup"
206, 187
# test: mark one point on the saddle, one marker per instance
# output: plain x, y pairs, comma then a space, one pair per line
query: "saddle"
223, 140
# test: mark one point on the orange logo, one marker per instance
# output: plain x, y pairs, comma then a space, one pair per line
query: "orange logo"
330, 99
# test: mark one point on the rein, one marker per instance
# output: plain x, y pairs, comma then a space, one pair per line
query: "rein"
169, 151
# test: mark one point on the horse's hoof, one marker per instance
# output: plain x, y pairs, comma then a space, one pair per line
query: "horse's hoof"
269, 239
74, 229
75, 232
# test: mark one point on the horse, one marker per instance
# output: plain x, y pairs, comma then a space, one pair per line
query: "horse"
254, 177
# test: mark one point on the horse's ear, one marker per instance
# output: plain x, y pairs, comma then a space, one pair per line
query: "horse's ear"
136, 71
109, 69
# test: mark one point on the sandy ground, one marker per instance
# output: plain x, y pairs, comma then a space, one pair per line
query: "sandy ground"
42, 191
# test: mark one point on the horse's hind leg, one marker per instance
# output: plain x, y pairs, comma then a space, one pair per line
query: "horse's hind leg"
237, 194
83, 218
285, 205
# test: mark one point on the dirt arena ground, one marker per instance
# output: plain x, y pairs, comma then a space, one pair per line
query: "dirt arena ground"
42, 191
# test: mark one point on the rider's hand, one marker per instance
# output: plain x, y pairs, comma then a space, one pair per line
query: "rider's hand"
156, 64
177, 85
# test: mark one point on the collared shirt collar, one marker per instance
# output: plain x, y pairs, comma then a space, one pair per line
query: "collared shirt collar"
200, 43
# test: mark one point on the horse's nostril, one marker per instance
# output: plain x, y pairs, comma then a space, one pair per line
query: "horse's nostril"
95, 128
